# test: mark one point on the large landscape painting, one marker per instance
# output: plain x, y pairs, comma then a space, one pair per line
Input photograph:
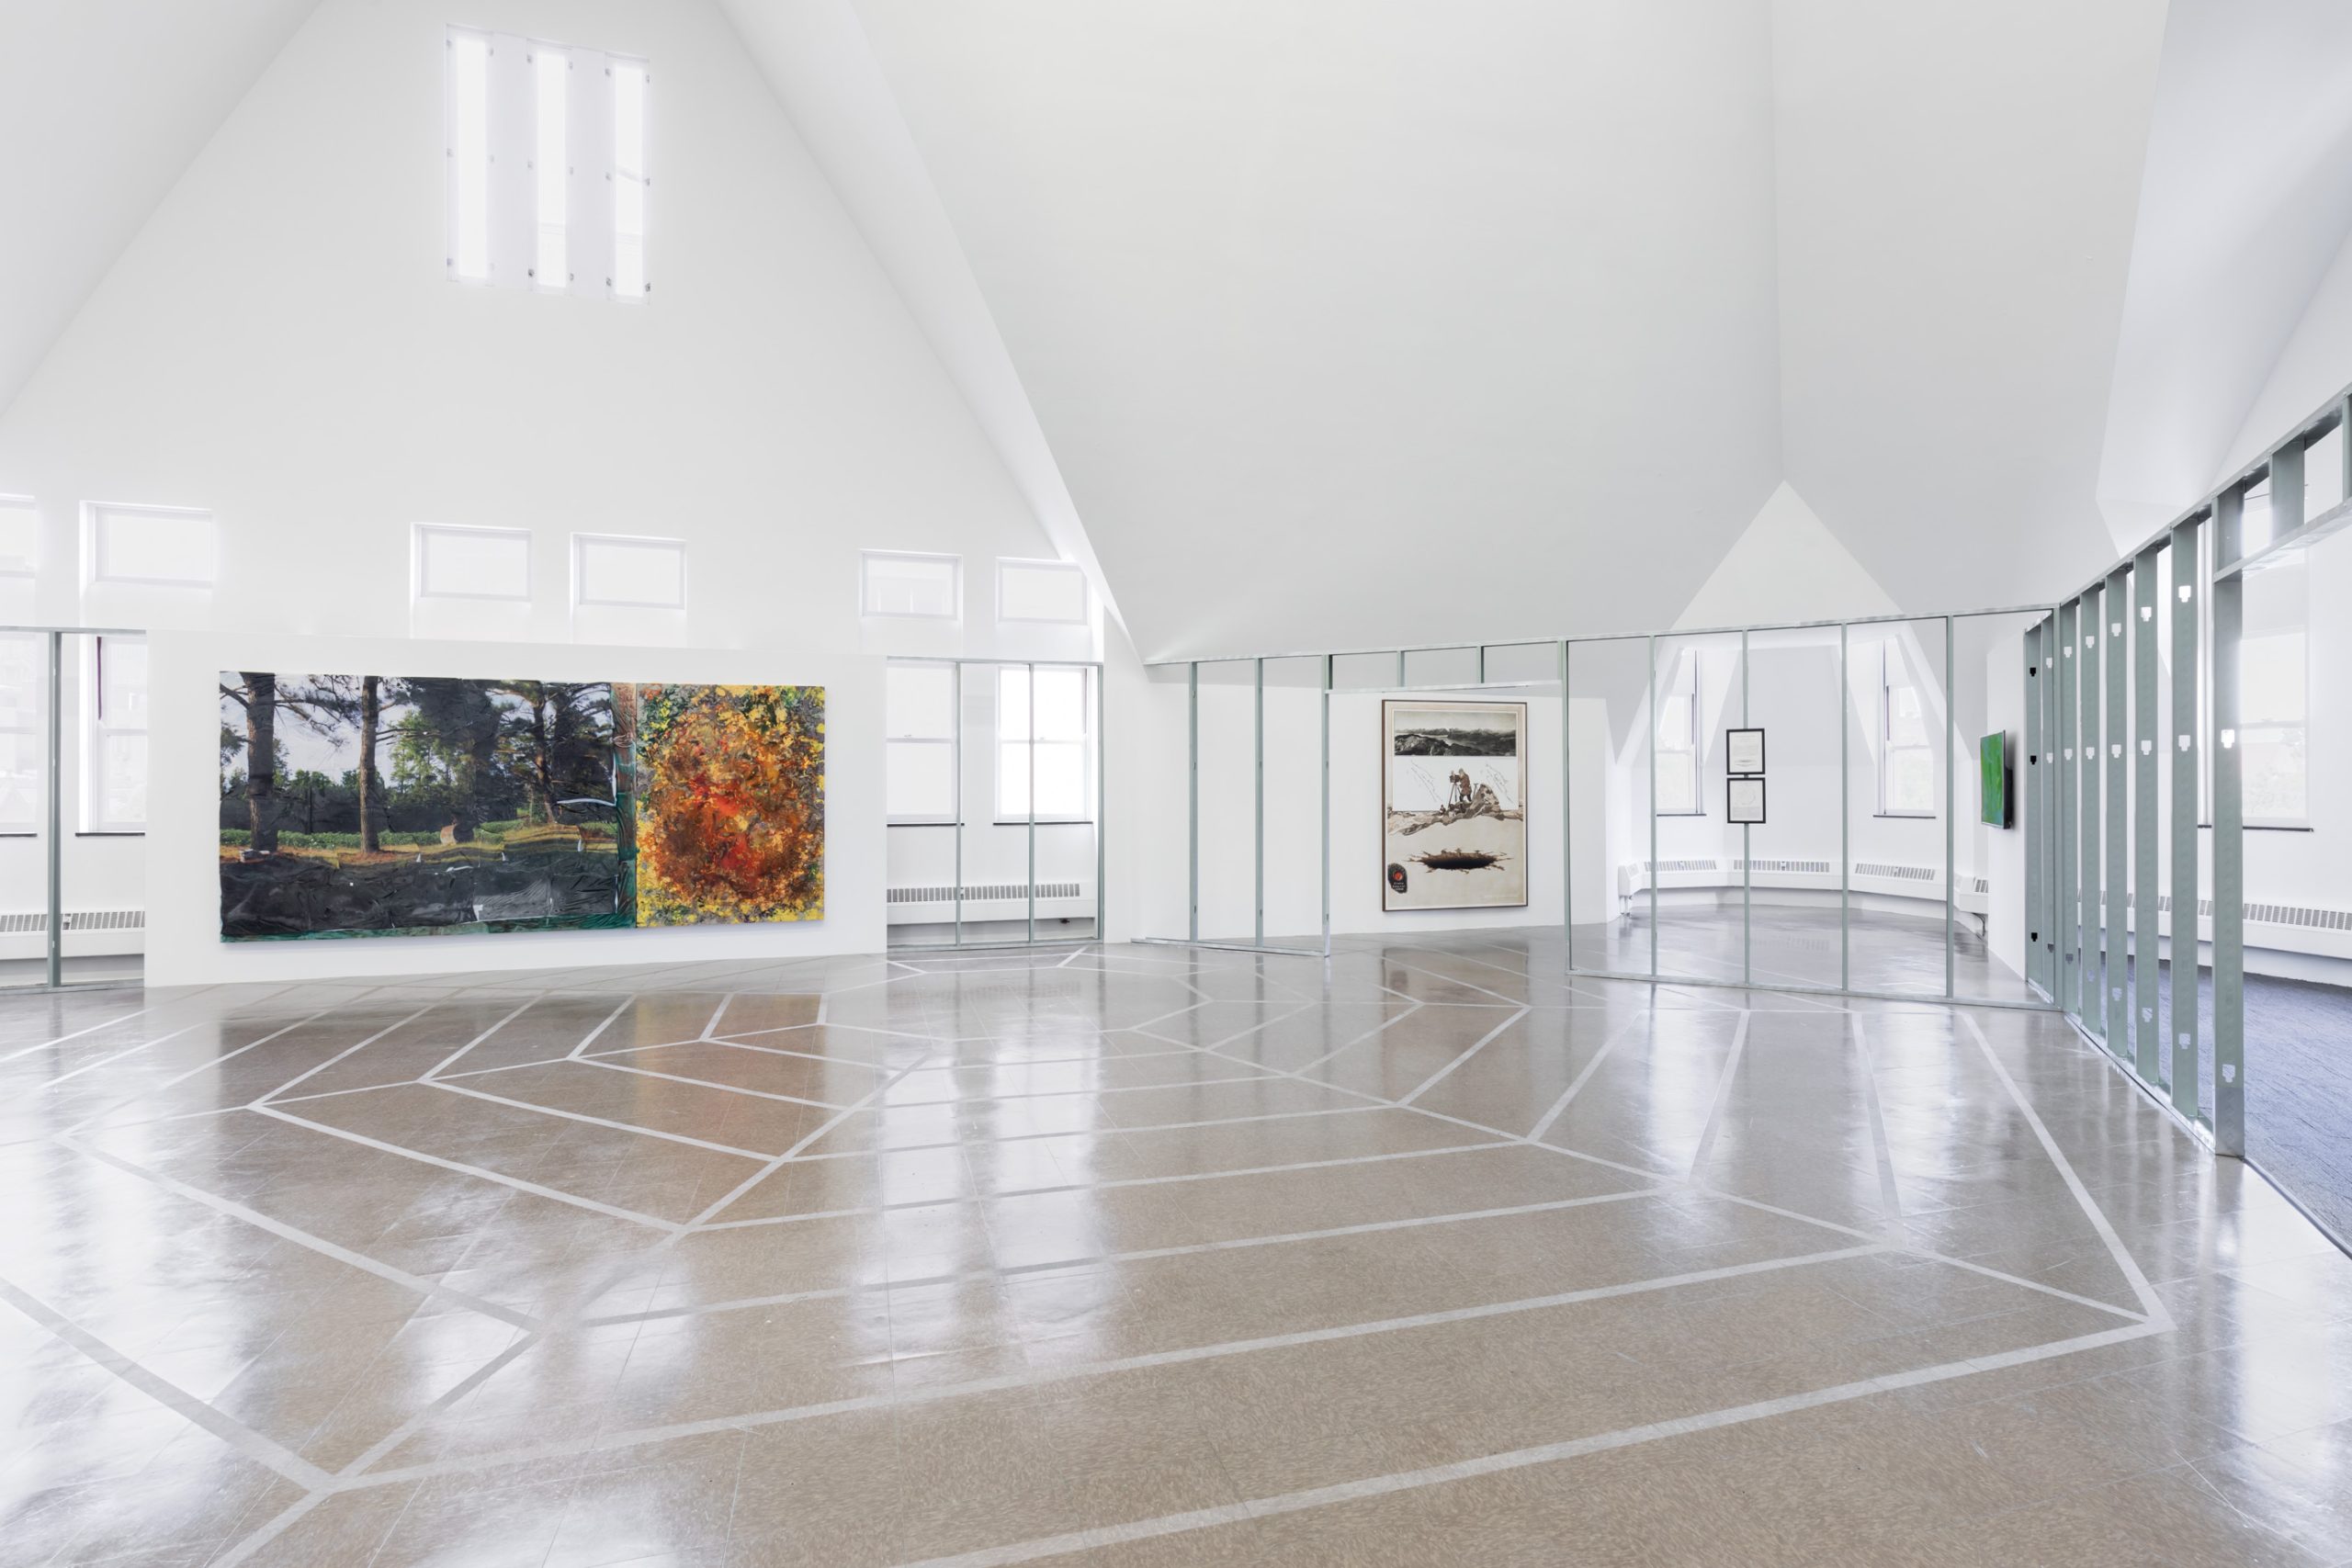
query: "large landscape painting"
1453, 797
385, 806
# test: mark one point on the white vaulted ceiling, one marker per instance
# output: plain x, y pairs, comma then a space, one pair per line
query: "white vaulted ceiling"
1366, 321
103, 105
1329, 323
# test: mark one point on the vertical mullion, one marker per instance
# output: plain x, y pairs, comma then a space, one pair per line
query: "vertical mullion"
1326, 806
1192, 799
2148, 1036
1649, 720
1031, 742
1258, 802
1747, 848
1567, 820
2183, 965
2091, 998
1949, 801
1845, 818
2229, 798
2115, 607
2029, 802
2054, 830
955, 734
2070, 864
53, 786
1101, 802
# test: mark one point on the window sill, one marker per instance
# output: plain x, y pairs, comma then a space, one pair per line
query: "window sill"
1042, 822
1908, 816
110, 833
1702, 812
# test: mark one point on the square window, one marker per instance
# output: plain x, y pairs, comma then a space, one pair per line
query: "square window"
1052, 591
151, 546
900, 583
647, 574
453, 562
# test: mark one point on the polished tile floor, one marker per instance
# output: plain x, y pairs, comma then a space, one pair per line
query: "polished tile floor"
1135, 1255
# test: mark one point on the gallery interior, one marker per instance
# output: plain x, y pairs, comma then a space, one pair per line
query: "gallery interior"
1278, 785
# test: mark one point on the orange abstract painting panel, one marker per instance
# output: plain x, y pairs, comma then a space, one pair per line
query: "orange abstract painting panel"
730, 804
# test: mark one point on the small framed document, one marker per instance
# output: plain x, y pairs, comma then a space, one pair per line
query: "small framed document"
1744, 753
1743, 802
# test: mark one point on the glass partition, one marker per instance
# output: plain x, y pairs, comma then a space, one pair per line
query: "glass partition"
72, 805
992, 795
1698, 695
1295, 787
1992, 934
1796, 854
1226, 782
1897, 751
1611, 903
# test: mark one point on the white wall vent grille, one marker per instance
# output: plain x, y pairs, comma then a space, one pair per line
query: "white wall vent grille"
16, 924
979, 892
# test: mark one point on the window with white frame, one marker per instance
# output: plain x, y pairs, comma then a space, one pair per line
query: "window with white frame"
450, 561
1049, 592
1906, 758
918, 762
902, 582
1041, 740
19, 537
147, 547
24, 666
612, 570
547, 152
114, 755
2274, 698
1679, 793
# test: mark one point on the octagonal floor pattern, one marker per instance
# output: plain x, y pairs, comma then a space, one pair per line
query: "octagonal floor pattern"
1134, 1256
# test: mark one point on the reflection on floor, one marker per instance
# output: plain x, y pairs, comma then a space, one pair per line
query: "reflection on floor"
1798, 945
2298, 1083
1137, 1255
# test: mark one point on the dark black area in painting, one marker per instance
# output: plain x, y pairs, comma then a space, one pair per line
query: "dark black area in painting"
1457, 743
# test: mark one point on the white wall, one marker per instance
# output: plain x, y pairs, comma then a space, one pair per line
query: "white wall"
279, 345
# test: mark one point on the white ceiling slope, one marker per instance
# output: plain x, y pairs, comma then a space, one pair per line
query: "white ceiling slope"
103, 104
1787, 566
1957, 186
1354, 322
816, 58
2247, 201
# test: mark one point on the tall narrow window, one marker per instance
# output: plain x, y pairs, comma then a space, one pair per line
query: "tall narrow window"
919, 749
545, 148
1677, 739
551, 164
115, 742
24, 662
628, 179
1906, 761
469, 154
2274, 697
1055, 728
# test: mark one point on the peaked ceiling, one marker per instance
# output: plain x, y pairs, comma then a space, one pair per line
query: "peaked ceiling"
103, 105
1329, 323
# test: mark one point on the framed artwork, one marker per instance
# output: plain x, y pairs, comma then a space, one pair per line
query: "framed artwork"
1993, 778
360, 805
1743, 802
1453, 805
1743, 752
